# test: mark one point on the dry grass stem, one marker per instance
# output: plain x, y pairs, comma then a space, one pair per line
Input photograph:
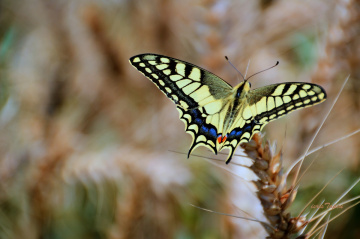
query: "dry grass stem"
317, 132
328, 144
318, 193
275, 197
317, 228
230, 215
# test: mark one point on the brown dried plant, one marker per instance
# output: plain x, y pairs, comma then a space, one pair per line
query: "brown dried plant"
274, 194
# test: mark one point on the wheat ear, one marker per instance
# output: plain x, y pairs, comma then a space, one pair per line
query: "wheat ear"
273, 193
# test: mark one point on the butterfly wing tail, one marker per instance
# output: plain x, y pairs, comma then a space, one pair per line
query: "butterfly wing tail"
203, 134
241, 135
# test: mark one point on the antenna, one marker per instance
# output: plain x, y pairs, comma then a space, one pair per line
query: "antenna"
247, 68
235, 68
277, 63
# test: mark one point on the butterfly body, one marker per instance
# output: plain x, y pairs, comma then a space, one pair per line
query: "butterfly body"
217, 115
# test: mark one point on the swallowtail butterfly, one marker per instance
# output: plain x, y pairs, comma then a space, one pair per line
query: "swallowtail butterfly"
217, 115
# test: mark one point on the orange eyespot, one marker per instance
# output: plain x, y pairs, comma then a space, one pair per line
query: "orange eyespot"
221, 139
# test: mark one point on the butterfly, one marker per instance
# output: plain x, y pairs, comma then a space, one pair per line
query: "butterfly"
217, 115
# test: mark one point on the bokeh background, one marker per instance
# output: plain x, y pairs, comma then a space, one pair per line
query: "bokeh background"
89, 148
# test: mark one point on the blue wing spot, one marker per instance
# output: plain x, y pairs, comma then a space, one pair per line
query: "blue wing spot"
248, 128
212, 132
198, 121
204, 128
232, 133
196, 114
238, 133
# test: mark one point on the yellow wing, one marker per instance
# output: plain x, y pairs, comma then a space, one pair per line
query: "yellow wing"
187, 85
200, 95
269, 103
273, 101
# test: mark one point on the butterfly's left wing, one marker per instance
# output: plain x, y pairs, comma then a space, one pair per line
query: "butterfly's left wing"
269, 103
200, 96
187, 85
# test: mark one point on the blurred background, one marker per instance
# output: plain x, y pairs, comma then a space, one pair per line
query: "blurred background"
90, 148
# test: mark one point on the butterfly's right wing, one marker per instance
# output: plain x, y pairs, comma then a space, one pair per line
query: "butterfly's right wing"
271, 102
198, 94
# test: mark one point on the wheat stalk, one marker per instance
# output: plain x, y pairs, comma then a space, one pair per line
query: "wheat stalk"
274, 195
